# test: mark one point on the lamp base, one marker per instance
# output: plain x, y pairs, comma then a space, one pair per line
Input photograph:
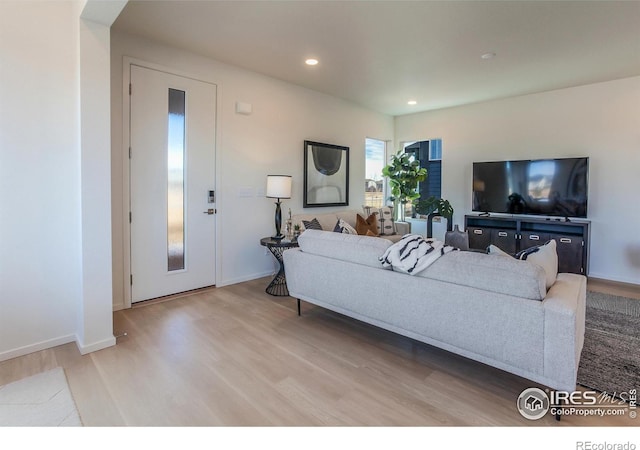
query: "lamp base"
278, 218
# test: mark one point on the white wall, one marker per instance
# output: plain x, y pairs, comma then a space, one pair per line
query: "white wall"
55, 269
40, 259
601, 121
269, 140
95, 324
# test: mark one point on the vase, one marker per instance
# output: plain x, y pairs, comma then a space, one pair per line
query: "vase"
457, 238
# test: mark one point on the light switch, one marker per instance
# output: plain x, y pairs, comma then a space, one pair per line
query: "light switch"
244, 108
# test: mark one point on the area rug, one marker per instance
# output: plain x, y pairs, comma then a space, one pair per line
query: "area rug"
610, 360
42, 400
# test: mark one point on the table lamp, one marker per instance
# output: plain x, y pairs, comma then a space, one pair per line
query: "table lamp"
278, 186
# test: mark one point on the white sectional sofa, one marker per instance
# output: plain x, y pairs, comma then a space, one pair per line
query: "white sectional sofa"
492, 309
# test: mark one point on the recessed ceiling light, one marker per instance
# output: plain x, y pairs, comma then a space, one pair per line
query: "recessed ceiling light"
488, 55
311, 62
412, 102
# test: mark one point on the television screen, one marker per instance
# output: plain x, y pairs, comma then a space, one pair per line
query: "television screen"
548, 187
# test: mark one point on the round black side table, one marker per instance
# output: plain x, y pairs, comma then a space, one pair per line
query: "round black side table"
278, 285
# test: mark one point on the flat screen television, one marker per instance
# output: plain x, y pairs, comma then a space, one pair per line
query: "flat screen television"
546, 187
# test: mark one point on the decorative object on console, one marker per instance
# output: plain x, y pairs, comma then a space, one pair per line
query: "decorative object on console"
326, 174
370, 224
288, 229
278, 186
457, 238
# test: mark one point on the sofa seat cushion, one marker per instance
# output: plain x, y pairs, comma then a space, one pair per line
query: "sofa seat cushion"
490, 273
347, 247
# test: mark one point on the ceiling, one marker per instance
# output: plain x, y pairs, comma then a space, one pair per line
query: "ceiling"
380, 54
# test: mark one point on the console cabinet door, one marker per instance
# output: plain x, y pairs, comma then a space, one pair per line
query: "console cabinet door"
479, 238
570, 253
533, 239
505, 240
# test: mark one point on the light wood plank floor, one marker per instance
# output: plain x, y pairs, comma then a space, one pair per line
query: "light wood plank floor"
235, 356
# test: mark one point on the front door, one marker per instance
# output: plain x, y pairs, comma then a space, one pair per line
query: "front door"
172, 168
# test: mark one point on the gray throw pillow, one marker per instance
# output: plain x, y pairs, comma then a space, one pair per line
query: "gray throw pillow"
312, 224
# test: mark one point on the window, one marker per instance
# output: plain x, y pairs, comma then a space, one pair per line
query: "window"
375, 151
429, 153
175, 178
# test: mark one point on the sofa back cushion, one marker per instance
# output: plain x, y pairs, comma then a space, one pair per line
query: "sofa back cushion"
327, 220
347, 247
490, 273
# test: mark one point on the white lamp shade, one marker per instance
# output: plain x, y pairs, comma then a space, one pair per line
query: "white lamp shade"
279, 186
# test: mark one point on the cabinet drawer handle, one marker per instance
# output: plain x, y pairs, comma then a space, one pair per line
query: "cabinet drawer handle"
502, 233
534, 237
477, 231
565, 240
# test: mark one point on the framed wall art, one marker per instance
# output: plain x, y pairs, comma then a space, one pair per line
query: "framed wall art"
326, 175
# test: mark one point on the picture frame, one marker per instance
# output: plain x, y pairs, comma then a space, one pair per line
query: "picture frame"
326, 175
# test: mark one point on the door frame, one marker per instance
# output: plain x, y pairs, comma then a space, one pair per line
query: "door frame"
127, 62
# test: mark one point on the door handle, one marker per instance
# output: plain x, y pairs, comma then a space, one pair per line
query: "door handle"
534, 237
502, 233
210, 211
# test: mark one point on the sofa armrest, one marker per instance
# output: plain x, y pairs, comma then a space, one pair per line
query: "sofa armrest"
403, 228
564, 325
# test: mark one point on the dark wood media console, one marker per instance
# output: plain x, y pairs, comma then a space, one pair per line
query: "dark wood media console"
513, 234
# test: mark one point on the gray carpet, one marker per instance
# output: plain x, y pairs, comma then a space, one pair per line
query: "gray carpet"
610, 360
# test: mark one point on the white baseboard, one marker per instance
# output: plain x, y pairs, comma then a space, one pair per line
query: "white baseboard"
31, 348
613, 278
118, 306
245, 278
95, 346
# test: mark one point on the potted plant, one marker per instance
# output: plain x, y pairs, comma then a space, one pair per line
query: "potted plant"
404, 174
435, 205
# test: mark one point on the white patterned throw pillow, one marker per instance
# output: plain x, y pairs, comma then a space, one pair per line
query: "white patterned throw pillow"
346, 228
384, 217
546, 256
